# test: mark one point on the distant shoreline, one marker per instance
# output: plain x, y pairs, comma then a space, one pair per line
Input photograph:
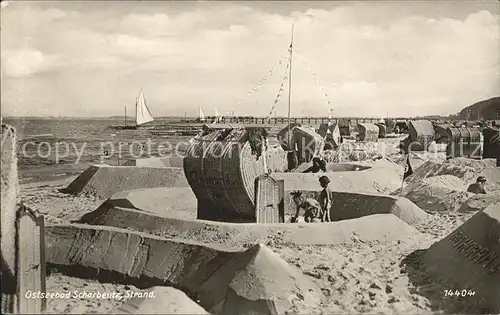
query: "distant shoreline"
433, 117
91, 118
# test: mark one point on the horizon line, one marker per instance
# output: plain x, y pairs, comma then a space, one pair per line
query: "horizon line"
207, 117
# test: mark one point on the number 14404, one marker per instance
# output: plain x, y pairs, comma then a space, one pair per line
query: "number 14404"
459, 293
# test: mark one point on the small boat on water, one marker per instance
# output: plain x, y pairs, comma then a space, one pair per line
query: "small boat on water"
142, 115
217, 116
201, 117
182, 129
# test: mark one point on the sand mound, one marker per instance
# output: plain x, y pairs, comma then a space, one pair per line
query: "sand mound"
466, 262
104, 180
446, 193
241, 234
433, 168
438, 193
478, 165
261, 282
446, 181
222, 279
466, 169
162, 300
173, 161
436, 198
173, 202
383, 177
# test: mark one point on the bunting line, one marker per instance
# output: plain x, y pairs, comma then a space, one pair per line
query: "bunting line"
264, 78
316, 81
281, 89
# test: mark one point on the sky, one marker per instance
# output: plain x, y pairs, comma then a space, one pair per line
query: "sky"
371, 59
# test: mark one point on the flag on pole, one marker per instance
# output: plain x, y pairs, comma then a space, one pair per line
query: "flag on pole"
408, 168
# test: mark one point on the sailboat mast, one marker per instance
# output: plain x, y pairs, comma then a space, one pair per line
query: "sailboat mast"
136, 104
290, 87
125, 117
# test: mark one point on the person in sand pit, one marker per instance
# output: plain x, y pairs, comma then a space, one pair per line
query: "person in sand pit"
311, 207
318, 165
325, 199
478, 186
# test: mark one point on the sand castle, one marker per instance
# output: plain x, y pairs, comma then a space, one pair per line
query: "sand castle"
153, 231
224, 280
104, 180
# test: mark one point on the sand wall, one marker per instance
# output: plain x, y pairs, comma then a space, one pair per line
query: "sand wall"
172, 161
9, 202
355, 205
104, 181
173, 202
384, 177
467, 261
366, 229
224, 280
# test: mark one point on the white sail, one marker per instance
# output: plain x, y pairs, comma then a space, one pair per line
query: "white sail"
143, 115
218, 117
202, 115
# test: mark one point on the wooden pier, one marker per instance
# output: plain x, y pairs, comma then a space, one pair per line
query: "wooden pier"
302, 120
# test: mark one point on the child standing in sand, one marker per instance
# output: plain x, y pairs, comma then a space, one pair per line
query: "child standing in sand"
325, 199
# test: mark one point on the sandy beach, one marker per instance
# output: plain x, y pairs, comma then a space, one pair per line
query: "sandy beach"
250, 157
354, 278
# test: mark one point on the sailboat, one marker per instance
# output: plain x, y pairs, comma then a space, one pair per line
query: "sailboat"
217, 116
142, 115
202, 115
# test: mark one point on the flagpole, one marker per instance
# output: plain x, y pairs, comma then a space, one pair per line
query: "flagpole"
290, 88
